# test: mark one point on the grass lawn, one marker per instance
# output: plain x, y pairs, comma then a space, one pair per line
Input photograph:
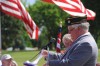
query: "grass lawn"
99, 56
22, 56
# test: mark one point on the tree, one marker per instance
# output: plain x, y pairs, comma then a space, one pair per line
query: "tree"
47, 15
10, 28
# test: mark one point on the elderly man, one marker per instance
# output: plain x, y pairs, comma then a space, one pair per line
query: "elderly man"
83, 51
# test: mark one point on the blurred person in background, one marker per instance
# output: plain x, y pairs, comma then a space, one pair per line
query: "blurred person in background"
7, 60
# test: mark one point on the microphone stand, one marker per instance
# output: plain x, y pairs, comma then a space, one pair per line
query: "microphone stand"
35, 55
45, 47
48, 54
34, 63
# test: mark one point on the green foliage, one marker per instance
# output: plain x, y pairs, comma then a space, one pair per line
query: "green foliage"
10, 29
47, 15
98, 42
43, 39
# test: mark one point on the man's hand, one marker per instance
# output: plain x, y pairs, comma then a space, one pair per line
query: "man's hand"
45, 64
44, 53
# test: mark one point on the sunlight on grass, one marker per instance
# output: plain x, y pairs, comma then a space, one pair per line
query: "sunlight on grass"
21, 56
99, 56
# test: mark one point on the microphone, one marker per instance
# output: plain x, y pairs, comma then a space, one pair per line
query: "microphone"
51, 41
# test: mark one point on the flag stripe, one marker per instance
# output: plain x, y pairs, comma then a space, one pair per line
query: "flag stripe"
63, 4
11, 4
15, 8
11, 14
75, 8
29, 19
74, 13
58, 48
8, 10
49, 1
26, 18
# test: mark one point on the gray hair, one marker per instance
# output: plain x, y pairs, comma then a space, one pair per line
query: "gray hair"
84, 25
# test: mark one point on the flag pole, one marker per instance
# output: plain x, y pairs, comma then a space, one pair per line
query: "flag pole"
58, 48
0, 34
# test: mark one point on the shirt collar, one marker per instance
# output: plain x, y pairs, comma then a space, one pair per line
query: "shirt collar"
83, 35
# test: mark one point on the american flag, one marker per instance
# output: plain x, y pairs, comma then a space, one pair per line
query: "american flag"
49, 1
74, 8
58, 48
16, 9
